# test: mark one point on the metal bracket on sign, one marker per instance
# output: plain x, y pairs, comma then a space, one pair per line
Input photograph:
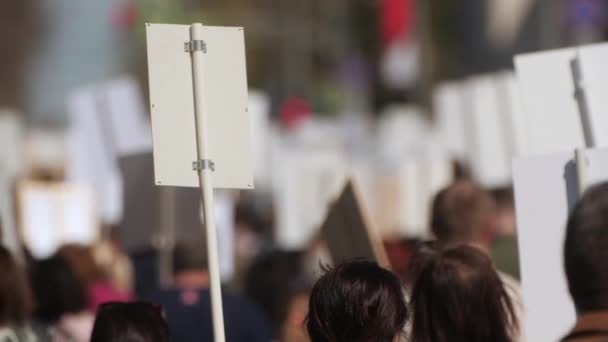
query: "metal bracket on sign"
203, 164
195, 45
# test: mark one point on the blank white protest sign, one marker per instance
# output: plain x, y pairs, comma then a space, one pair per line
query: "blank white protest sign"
594, 71
224, 88
552, 122
547, 84
545, 192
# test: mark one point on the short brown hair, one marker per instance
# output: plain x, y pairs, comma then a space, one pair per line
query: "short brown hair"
15, 296
460, 212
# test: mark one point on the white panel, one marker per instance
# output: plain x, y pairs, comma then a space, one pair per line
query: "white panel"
91, 158
553, 122
11, 141
307, 181
55, 214
130, 129
595, 77
259, 111
449, 117
545, 190
487, 138
513, 113
172, 107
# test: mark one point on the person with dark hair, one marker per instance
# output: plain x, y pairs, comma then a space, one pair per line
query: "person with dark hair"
188, 304
465, 213
98, 287
61, 301
132, 322
357, 301
15, 301
458, 296
586, 264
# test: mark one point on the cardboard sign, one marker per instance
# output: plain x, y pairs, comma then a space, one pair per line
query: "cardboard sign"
225, 106
348, 231
53, 214
545, 192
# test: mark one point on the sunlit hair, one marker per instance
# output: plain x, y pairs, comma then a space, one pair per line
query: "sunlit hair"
356, 302
458, 296
460, 213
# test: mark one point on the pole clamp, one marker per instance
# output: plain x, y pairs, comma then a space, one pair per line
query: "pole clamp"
195, 45
203, 164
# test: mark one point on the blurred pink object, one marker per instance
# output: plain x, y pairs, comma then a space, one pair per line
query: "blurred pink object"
103, 292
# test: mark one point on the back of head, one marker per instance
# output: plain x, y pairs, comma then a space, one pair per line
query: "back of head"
356, 302
82, 262
461, 212
15, 303
130, 322
190, 256
458, 296
586, 250
57, 289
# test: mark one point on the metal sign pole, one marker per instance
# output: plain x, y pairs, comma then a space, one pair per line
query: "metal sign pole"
580, 94
204, 166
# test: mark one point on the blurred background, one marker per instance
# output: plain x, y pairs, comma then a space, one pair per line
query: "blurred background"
399, 97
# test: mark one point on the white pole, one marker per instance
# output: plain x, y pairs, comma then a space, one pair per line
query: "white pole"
580, 94
580, 156
166, 236
206, 184
9, 234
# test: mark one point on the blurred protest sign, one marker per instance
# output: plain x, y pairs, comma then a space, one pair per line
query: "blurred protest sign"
54, 214
308, 179
563, 98
11, 152
546, 190
348, 231
107, 121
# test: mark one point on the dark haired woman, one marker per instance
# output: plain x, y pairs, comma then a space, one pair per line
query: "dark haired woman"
458, 296
15, 301
357, 302
133, 322
61, 301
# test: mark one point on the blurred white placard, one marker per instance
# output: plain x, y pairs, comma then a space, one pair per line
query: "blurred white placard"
487, 144
545, 192
419, 182
224, 86
307, 181
594, 71
91, 158
552, 118
448, 101
130, 129
553, 121
259, 112
224, 217
107, 121
10, 143
54, 214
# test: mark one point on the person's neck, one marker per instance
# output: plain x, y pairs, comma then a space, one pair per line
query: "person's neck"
193, 279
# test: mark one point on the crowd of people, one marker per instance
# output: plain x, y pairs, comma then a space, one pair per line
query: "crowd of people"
452, 290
